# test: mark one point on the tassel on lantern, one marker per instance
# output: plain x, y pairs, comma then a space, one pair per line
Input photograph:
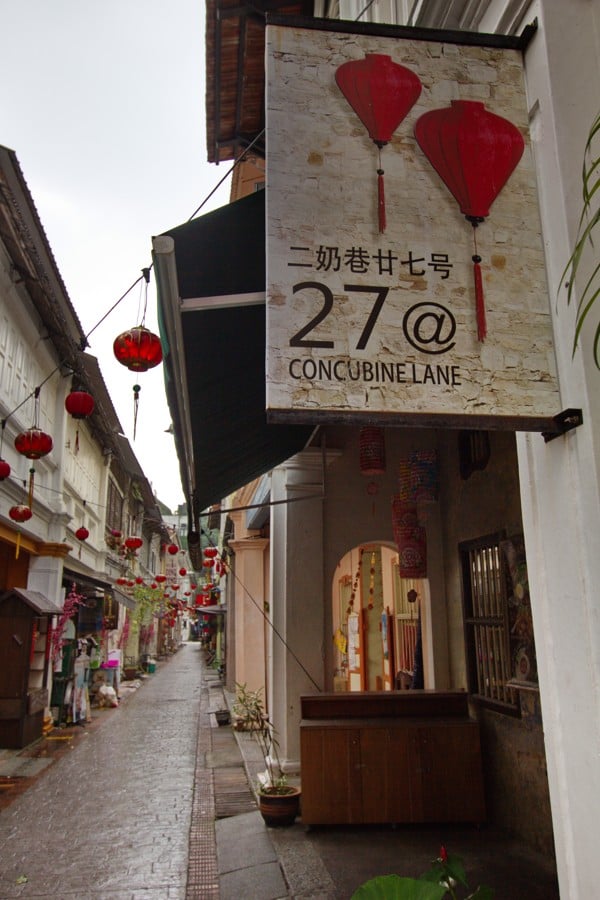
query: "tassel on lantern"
381, 201
136, 403
479, 299
31, 483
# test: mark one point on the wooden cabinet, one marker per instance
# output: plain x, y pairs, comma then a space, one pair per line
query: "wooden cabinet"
403, 765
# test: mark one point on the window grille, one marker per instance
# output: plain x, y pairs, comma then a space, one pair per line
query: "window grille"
485, 596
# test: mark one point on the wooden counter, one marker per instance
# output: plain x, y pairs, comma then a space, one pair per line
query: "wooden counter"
401, 756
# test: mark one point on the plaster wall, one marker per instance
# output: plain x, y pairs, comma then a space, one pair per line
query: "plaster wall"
560, 480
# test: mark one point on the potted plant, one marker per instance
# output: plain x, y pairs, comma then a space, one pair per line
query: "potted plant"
278, 801
444, 878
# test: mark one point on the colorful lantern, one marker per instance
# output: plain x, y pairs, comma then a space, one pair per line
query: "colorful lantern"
160, 578
80, 405
33, 443
210, 552
4, 470
371, 449
172, 549
82, 534
20, 513
381, 93
138, 349
183, 571
133, 543
474, 152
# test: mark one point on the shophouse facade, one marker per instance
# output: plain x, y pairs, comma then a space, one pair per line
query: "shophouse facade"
502, 493
85, 496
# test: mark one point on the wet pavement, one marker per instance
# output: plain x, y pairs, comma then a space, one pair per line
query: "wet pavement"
151, 801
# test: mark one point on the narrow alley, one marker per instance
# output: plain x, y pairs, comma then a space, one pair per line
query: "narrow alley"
154, 804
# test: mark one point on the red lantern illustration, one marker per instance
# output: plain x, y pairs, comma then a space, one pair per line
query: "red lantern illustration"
381, 93
474, 152
4, 470
80, 405
82, 534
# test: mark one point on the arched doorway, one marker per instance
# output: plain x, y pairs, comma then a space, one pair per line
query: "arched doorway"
376, 621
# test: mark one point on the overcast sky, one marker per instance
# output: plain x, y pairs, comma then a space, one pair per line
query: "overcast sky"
103, 103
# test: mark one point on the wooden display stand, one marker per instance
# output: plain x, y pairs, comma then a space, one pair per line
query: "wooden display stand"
407, 756
24, 655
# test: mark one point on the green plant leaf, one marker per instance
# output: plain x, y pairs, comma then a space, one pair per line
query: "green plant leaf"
393, 887
482, 893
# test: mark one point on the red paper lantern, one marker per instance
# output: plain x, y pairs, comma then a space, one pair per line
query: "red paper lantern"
4, 469
208, 563
183, 571
121, 581
381, 93
82, 534
33, 443
138, 349
116, 533
139, 580
79, 404
172, 549
371, 448
160, 578
20, 513
210, 552
154, 585
133, 543
474, 152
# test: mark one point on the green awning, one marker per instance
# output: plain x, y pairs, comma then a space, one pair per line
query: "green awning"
211, 289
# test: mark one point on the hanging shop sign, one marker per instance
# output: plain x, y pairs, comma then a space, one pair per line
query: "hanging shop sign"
422, 301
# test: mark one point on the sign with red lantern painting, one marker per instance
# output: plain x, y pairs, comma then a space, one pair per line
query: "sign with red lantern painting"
405, 267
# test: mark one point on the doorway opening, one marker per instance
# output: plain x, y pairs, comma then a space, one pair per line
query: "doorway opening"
377, 622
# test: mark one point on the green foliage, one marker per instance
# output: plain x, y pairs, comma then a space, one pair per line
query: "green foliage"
250, 712
441, 880
589, 219
393, 887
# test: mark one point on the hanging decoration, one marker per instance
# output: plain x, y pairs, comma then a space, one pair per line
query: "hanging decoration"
172, 549
381, 93
4, 466
418, 477
133, 543
411, 539
20, 514
474, 151
371, 449
82, 534
138, 349
80, 405
33, 443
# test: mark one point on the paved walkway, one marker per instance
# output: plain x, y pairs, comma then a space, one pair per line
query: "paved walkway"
152, 802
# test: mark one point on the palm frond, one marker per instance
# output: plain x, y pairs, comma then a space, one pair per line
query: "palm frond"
588, 220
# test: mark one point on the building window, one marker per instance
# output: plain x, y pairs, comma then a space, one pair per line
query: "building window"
114, 512
486, 589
